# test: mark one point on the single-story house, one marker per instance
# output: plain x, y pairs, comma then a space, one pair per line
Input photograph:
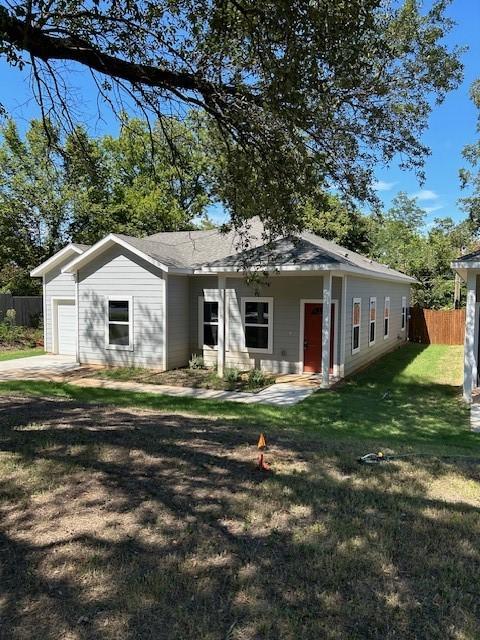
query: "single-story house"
154, 301
468, 268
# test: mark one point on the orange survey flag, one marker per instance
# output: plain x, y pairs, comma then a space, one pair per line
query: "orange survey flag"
262, 442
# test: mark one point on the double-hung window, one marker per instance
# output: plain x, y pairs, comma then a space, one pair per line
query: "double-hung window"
257, 316
119, 323
208, 320
356, 321
372, 321
404, 312
386, 318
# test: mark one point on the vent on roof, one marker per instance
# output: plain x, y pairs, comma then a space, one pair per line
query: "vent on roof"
346, 254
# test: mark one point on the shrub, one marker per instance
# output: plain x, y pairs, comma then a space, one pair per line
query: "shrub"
10, 317
232, 376
196, 362
256, 378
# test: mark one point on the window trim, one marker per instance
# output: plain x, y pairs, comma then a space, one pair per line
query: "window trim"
268, 300
403, 323
208, 296
359, 325
386, 304
119, 347
370, 321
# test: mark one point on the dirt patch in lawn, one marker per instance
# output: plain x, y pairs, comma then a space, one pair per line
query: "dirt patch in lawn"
125, 524
202, 378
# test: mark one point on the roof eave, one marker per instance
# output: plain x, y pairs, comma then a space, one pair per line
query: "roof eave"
110, 240
49, 264
222, 269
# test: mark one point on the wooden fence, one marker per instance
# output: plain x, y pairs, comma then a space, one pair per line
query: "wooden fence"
432, 326
28, 309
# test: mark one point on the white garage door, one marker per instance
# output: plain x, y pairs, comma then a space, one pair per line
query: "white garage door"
66, 327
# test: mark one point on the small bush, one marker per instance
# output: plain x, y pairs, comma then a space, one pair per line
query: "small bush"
10, 317
196, 362
232, 376
256, 378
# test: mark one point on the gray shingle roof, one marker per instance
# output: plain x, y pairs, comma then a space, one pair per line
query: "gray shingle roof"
82, 247
469, 257
211, 251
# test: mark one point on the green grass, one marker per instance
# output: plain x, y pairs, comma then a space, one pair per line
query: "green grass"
14, 354
410, 398
125, 523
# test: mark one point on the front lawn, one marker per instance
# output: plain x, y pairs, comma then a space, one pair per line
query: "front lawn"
13, 354
133, 523
410, 398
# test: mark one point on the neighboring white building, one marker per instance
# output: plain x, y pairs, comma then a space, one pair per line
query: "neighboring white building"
154, 301
468, 268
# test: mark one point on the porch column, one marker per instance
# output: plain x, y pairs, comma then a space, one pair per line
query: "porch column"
327, 310
221, 326
470, 350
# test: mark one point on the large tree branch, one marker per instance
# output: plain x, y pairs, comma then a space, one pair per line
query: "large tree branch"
47, 47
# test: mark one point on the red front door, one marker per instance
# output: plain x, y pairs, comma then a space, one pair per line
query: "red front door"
312, 347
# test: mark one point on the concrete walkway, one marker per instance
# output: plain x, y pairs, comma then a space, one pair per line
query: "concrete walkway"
64, 369
475, 416
43, 367
280, 394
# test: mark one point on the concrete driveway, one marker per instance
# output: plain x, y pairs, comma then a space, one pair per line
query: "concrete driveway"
47, 367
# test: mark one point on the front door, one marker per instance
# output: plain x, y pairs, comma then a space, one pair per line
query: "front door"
312, 334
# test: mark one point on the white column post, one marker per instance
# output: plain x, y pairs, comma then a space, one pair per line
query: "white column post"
221, 326
327, 309
470, 355
44, 293
77, 318
343, 326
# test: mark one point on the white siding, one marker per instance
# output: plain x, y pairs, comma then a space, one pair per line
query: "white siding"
118, 272
364, 288
287, 291
178, 298
57, 285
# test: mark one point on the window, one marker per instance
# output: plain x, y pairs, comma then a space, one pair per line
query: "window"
356, 318
372, 321
210, 323
404, 313
386, 318
257, 314
119, 327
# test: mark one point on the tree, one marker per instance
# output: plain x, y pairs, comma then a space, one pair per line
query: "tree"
296, 94
56, 188
396, 235
400, 239
127, 184
470, 178
33, 204
338, 221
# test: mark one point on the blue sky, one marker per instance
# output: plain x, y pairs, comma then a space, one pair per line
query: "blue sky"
452, 125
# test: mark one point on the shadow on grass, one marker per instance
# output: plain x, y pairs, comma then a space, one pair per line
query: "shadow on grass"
380, 404
122, 525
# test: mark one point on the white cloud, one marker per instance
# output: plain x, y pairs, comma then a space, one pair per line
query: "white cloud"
433, 208
381, 185
426, 194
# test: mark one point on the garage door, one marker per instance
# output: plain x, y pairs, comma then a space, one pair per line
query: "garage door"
66, 327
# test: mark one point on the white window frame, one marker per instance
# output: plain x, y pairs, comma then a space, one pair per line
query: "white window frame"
373, 300
119, 347
359, 325
404, 313
208, 296
243, 302
386, 305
